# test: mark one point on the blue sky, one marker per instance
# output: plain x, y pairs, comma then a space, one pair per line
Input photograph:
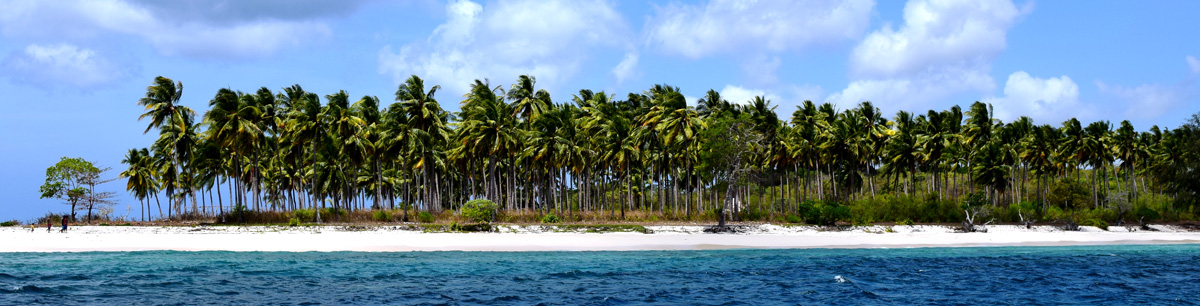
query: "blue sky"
71, 72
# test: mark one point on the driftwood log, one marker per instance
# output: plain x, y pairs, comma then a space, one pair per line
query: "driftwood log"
1028, 223
969, 225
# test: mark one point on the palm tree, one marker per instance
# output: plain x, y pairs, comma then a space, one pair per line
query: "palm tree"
371, 142
302, 135
991, 169
1073, 148
140, 175
1039, 152
1127, 147
900, 152
162, 107
233, 124
517, 147
426, 125
1097, 153
348, 143
488, 131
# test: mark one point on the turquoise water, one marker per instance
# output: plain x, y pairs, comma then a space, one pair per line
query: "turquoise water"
1106, 275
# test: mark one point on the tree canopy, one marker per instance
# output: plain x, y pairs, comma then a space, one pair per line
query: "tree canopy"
596, 154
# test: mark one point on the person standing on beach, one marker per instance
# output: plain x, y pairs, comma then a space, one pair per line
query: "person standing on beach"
64, 224
49, 223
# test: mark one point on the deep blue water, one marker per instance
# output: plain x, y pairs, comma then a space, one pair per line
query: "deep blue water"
1105, 275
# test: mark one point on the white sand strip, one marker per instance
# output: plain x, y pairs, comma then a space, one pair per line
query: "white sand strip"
332, 238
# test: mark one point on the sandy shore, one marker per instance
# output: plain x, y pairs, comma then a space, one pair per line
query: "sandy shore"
537, 238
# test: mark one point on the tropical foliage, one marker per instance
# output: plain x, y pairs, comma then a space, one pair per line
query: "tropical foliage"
600, 155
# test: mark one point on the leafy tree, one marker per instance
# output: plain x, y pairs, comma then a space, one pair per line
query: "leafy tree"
74, 181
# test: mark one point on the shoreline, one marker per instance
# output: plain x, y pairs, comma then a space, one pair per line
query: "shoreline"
512, 238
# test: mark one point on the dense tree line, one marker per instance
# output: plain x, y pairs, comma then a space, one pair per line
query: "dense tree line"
602, 154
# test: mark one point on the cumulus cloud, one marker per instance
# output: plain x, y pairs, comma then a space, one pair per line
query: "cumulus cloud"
755, 31
943, 48
227, 29
547, 39
1045, 100
731, 26
61, 65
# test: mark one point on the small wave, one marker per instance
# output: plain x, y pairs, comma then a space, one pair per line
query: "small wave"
388, 276
869, 294
24, 289
255, 272
507, 298
578, 274
608, 300
840, 279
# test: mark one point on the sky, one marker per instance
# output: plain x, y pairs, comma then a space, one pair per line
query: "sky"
71, 71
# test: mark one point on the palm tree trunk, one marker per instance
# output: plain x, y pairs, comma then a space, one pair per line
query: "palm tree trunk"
157, 202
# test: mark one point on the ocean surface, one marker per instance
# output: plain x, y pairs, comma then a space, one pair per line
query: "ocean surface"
1104, 275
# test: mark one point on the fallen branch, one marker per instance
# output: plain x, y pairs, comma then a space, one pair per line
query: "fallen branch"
1026, 222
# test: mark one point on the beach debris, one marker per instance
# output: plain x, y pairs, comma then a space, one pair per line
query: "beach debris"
1028, 223
1069, 224
969, 225
726, 229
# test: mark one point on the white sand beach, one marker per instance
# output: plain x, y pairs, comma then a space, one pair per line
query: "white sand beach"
538, 238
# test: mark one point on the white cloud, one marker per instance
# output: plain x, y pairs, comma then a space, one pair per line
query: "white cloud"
1193, 64
61, 64
627, 68
936, 33
916, 92
547, 39
733, 26
1045, 100
762, 69
1149, 101
742, 95
805, 92
240, 29
944, 48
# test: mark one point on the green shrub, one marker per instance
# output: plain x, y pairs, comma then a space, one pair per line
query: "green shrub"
752, 214
1147, 214
906, 222
1095, 222
551, 218
381, 216
425, 217
10, 223
824, 213
294, 222
479, 210
305, 215
331, 212
478, 227
792, 219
